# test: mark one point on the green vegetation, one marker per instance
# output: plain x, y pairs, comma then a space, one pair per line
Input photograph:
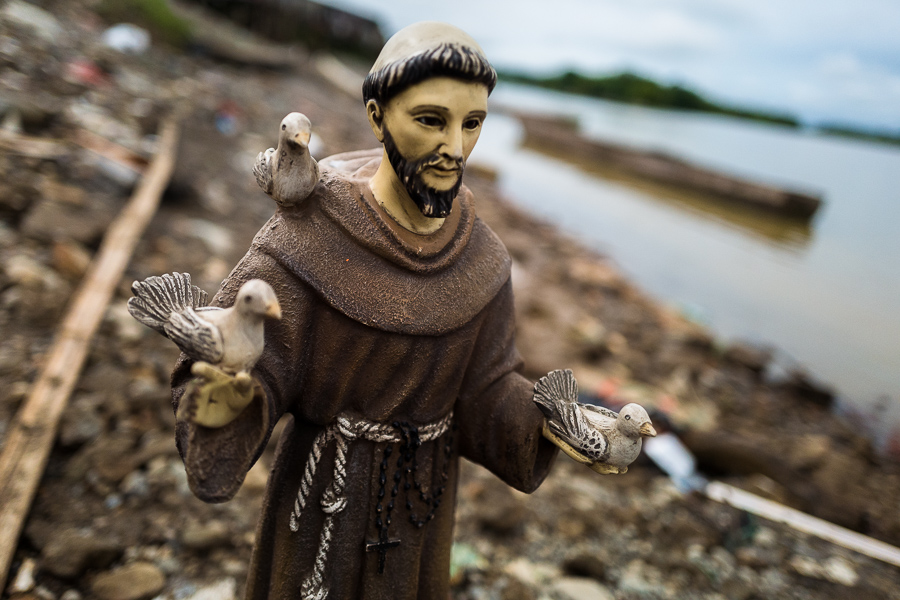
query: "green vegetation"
634, 89
154, 15
849, 131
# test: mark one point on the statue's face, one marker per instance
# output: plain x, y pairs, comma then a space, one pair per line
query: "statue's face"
429, 130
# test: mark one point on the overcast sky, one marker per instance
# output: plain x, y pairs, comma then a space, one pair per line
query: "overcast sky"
823, 60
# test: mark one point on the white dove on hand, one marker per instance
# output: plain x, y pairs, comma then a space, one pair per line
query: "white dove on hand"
595, 436
231, 339
288, 173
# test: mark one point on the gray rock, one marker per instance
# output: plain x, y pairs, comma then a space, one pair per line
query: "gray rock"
68, 553
580, 588
753, 357
500, 511
202, 536
42, 593
41, 22
223, 590
840, 571
104, 378
802, 385
112, 456
127, 328
639, 577
218, 239
30, 273
756, 557
81, 423
71, 259
137, 581
135, 484
49, 220
513, 589
62, 193
24, 580
773, 582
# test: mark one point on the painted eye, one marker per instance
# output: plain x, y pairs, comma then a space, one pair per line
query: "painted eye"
283, 126
472, 124
247, 300
627, 417
430, 121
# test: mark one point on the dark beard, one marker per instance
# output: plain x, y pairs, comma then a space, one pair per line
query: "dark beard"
432, 203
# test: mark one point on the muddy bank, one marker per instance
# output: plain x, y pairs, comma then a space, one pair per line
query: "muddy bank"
114, 516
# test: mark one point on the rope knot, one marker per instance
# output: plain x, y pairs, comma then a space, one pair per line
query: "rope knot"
331, 502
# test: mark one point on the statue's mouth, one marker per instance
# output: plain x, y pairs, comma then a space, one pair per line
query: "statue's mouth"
444, 171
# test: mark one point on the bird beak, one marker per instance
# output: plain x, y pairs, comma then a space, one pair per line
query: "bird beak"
647, 430
302, 138
273, 310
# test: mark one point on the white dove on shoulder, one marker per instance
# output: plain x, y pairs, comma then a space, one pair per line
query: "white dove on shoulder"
289, 173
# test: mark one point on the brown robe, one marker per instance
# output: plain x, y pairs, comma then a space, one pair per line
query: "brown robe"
389, 326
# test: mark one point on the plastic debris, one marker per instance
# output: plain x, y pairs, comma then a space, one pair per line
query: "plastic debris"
227, 117
670, 455
85, 72
126, 37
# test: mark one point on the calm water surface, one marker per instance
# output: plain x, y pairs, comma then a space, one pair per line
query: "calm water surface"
827, 295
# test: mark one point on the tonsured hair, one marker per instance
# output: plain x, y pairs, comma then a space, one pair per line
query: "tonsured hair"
446, 60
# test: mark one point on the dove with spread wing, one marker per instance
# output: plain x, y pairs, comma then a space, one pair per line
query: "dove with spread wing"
231, 339
596, 436
288, 173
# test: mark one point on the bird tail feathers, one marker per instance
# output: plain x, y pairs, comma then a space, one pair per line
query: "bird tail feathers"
156, 298
554, 389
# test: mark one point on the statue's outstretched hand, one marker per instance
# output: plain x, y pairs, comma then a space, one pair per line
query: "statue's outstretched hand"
215, 398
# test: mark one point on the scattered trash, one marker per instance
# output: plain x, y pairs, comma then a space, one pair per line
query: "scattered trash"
85, 72
676, 461
126, 37
463, 558
227, 117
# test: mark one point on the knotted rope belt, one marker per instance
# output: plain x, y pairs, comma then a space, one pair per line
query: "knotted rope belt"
343, 431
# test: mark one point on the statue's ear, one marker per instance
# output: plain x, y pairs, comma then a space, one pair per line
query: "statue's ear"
375, 113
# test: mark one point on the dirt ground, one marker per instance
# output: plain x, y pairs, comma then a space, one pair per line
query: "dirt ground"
113, 515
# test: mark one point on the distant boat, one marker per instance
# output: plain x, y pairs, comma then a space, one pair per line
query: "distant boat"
559, 136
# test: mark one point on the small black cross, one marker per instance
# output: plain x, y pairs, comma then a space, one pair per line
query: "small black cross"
381, 547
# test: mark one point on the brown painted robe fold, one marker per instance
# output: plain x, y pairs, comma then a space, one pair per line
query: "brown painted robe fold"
385, 325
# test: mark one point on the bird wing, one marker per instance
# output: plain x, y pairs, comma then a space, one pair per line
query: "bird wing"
157, 298
574, 423
197, 337
555, 390
556, 394
602, 410
262, 169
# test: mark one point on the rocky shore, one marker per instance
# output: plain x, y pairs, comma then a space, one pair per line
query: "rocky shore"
114, 519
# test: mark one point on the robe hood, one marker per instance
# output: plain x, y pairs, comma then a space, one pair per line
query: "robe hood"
343, 245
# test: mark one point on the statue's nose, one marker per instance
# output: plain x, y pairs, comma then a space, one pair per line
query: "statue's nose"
452, 146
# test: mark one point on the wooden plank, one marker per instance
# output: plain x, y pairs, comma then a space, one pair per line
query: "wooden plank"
33, 431
801, 521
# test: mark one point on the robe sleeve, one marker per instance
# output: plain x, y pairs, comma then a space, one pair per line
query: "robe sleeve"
499, 425
217, 459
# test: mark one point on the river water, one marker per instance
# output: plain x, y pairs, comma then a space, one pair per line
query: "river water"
827, 295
